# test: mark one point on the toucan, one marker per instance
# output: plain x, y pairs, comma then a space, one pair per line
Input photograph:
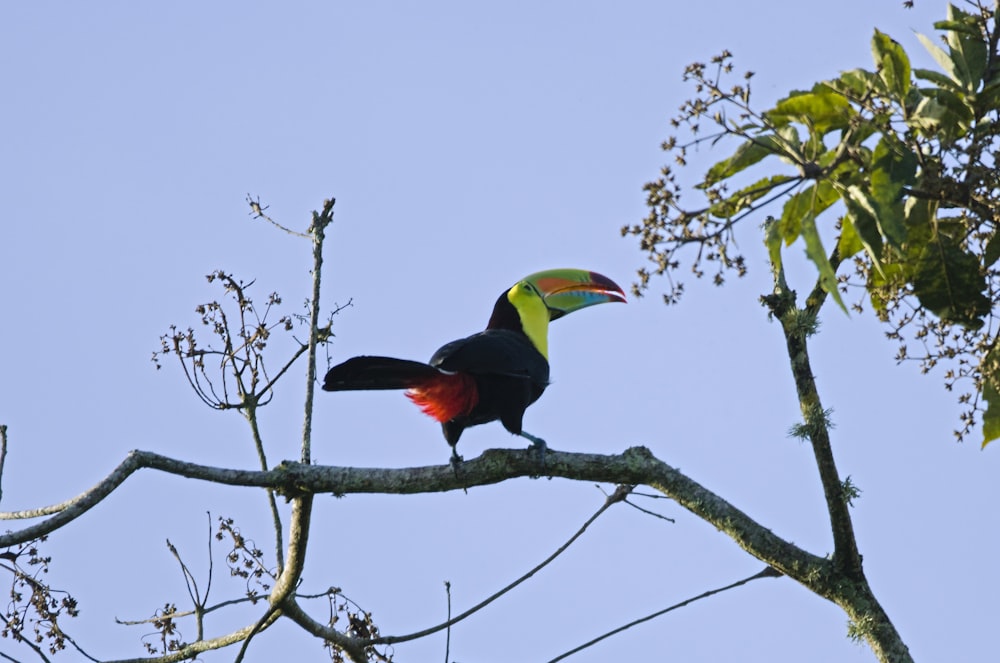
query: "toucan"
494, 374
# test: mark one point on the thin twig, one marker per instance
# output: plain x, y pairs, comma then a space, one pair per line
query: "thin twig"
279, 545
189, 582
257, 210
447, 636
650, 513
768, 572
619, 495
28, 643
646, 511
288, 364
80, 649
197, 600
211, 571
301, 516
212, 608
269, 616
317, 230
3, 455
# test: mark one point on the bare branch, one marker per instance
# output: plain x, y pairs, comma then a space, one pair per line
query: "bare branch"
192, 650
447, 640
279, 546
354, 647
3, 455
257, 211
650, 513
768, 572
298, 535
635, 466
317, 231
618, 496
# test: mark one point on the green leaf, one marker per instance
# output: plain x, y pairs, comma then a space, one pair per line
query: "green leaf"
991, 416
859, 134
875, 220
811, 201
745, 197
921, 224
948, 282
815, 252
790, 135
942, 58
798, 219
796, 207
856, 83
823, 111
849, 241
965, 60
942, 111
772, 237
893, 167
961, 25
858, 199
747, 154
893, 64
968, 49
990, 369
992, 250
825, 196
861, 216
938, 79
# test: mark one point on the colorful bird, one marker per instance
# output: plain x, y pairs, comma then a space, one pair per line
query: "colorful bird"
495, 374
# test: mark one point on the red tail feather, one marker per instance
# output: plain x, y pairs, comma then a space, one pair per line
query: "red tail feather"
446, 396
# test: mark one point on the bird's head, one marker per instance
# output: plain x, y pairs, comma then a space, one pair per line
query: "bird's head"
535, 300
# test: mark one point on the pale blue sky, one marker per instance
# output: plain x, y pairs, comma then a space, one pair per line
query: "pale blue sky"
468, 145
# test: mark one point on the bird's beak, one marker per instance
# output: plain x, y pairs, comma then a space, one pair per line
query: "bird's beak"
566, 290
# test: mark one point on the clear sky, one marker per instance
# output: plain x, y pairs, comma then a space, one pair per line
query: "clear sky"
468, 144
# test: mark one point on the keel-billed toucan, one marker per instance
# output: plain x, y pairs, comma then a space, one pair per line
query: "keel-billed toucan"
495, 374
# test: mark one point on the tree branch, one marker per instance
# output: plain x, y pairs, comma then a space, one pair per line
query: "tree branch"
797, 325
354, 647
635, 466
279, 547
847, 585
3, 454
301, 518
317, 230
768, 572
618, 496
190, 651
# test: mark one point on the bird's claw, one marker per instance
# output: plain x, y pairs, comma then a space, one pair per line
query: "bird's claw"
456, 461
539, 447
456, 465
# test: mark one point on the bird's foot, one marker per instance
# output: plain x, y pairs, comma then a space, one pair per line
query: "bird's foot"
539, 447
456, 461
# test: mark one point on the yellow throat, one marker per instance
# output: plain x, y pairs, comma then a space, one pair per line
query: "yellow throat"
533, 313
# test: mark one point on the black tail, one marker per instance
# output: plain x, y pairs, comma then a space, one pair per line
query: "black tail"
377, 373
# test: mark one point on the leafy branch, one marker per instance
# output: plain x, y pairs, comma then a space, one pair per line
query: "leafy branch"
896, 167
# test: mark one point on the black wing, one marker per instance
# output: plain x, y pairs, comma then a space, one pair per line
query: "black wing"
494, 352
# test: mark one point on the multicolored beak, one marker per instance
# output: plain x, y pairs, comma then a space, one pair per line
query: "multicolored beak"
567, 290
